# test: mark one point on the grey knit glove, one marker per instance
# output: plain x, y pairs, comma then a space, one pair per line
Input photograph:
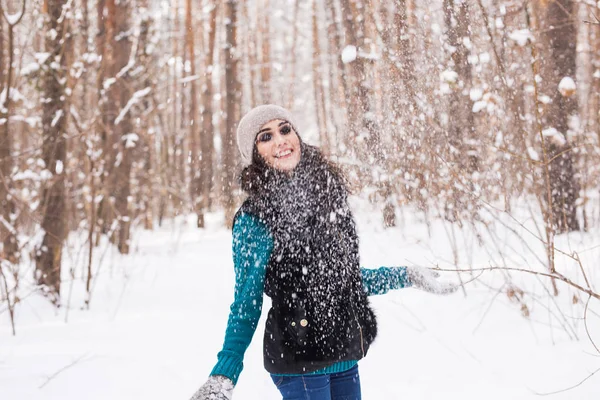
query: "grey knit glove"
426, 279
217, 387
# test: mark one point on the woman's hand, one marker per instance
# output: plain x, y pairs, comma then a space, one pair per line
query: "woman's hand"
426, 279
216, 388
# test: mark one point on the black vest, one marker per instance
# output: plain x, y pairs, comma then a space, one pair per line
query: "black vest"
320, 312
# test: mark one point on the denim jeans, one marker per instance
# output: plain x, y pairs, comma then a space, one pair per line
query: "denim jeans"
341, 386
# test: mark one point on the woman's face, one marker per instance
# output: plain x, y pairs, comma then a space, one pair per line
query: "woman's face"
278, 145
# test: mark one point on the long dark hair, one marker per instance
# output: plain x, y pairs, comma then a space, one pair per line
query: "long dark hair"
255, 177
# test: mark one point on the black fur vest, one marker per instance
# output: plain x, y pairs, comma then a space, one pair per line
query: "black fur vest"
320, 313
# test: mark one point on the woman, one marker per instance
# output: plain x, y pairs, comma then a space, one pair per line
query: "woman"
294, 239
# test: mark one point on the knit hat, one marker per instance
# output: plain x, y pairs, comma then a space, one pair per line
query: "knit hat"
251, 123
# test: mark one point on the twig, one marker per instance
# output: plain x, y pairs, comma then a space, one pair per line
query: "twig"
61, 370
554, 275
586, 325
569, 388
549, 212
575, 256
592, 22
11, 305
488, 308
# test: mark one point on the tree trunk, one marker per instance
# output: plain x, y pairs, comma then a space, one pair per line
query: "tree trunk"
559, 38
253, 61
48, 256
120, 122
265, 70
363, 124
178, 149
208, 131
108, 110
147, 174
460, 124
341, 99
233, 101
290, 95
319, 92
194, 134
8, 232
405, 52
594, 114
2, 62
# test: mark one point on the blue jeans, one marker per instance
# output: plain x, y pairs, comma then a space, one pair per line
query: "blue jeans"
341, 386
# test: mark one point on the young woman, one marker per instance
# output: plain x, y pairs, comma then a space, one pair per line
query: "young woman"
295, 240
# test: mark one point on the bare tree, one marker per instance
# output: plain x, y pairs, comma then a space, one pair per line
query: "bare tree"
146, 160
460, 126
121, 136
558, 69
8, 231
362, 112
49, 253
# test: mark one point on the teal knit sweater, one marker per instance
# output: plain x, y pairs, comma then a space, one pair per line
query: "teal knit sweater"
252, 246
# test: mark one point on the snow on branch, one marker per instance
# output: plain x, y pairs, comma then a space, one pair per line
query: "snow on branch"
9, 227
14, 19
134, 99
555, 136
57, 116
521, 37
189, 78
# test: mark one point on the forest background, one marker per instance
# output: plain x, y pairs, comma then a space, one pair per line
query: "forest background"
116, 116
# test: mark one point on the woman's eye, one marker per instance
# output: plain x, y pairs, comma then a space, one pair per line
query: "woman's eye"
265, 137
285, 130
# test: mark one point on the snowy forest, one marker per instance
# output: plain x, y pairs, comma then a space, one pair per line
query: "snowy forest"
469, 131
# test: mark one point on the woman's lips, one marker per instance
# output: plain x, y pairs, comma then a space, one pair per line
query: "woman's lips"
286, 154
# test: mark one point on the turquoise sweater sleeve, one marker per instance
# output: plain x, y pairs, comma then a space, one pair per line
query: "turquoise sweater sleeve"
252, 246
384, 279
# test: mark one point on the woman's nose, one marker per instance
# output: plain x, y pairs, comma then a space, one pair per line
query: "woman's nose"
279, 139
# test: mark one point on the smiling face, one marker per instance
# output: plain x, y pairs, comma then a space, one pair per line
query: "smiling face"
279, 145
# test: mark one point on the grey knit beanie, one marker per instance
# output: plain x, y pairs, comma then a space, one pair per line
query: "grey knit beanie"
251, 123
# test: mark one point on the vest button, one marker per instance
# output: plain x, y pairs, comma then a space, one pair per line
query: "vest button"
303, 323
293, 324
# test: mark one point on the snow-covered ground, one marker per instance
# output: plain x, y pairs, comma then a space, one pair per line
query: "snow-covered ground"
158, 316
